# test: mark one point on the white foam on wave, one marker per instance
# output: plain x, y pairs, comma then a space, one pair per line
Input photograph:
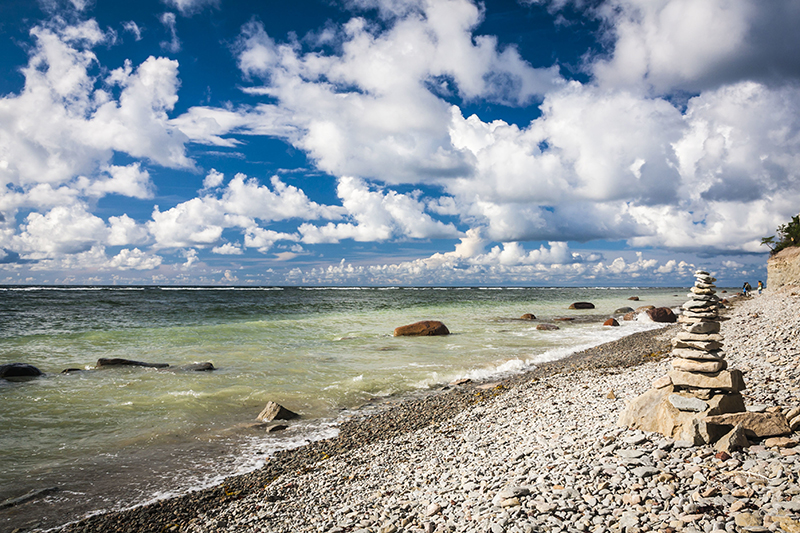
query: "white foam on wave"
250, 455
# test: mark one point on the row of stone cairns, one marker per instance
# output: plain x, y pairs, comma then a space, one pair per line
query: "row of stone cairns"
699, 400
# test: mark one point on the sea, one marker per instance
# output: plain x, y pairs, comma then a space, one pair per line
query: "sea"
112, 438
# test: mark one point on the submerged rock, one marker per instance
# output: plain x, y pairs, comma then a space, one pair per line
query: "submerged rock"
547, 327
199, 367
528, 316
423, 328
623, 310
127, 362
19, 371
582, 305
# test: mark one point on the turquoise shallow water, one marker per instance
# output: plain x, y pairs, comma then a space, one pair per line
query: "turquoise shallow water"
120, 436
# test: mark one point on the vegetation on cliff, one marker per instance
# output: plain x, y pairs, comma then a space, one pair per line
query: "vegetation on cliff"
788, 235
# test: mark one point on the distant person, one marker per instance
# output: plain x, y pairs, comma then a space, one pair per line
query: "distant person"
746, 288
760, 286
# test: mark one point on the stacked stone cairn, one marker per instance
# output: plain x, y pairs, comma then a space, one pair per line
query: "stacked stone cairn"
700, 385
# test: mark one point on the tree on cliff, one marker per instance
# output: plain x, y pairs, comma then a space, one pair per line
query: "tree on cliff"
789, 235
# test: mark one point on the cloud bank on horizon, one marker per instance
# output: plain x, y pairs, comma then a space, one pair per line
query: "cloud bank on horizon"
420, 149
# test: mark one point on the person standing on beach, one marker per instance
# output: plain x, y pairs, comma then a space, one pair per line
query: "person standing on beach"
746, 288
760, 286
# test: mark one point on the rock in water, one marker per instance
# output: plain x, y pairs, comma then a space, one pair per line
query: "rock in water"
582, 305
199, 367
611, 322
662, 315
528, 316
547, 327
624, 310
275, 411
127, 362
423, 328
14, 371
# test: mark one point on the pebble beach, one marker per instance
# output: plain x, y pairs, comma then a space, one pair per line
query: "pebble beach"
539, 451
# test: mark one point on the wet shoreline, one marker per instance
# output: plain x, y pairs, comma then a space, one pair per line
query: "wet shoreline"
402, 416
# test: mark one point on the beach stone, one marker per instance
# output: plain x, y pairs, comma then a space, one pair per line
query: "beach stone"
693, 365
700, 355
780, 442
611, 322
703, 337
630, 316
663, 381
275, 411
633, 298
697, 290
754, 424
547, 327
700, 304
423, 328
662, 315
726, 380
683, 403
697, 313
704, 345
103, 362
528, 316
700, 327
748, 520
581, 305
12, 371
645, 471
732, 441
624, 310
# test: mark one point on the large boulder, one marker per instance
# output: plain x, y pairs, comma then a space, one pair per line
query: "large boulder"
582, 305
103, 362
275, 411
423, 328
662, 314
18, 371
679, 415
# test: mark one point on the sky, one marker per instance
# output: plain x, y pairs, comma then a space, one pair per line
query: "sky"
396, 142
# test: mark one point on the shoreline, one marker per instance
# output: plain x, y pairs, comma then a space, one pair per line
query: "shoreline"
396, 417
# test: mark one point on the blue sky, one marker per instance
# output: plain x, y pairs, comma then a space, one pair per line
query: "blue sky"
396, 142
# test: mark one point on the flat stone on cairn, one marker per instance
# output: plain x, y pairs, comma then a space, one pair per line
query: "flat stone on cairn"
700, 384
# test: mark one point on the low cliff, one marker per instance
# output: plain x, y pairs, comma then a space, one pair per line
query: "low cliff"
783, 268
